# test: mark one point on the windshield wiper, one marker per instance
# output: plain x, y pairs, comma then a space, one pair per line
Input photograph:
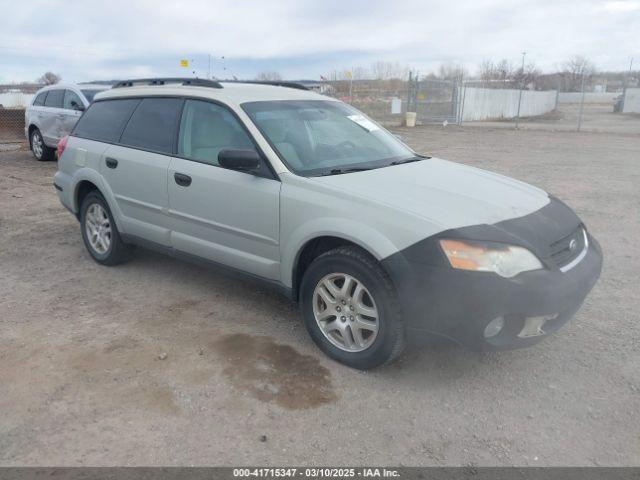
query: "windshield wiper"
417, 158
340, 171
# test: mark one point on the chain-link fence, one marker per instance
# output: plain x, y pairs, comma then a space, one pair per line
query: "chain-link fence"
480, 104
12, 125
450, 102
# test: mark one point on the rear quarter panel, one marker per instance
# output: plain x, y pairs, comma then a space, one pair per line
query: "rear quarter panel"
81, 162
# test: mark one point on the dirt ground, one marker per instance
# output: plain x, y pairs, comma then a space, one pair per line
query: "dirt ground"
596, 118
159, 362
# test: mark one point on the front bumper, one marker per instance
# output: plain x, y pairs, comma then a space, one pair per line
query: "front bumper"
459, 304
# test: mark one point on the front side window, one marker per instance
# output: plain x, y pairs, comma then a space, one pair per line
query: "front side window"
54, 99
71, 100
153, 125
207, 128
317, 137
39, 100
104, 121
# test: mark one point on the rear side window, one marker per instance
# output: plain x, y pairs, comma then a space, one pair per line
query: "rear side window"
104, 121
54, 99
153, 125
39, 101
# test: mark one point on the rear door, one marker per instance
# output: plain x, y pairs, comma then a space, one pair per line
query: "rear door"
71, 112
51, 118
225, 216
35, 111
136, 168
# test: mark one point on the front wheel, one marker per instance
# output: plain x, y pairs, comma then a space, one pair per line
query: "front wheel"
39, 148
350, 309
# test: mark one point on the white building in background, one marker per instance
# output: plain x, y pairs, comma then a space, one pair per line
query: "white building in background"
631, 101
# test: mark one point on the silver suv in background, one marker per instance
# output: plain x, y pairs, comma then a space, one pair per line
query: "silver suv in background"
53, 113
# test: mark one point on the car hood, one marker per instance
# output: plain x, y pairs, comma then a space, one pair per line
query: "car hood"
447, 193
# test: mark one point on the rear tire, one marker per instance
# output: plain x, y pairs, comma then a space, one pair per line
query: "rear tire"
39, 148
351, 310
99, 231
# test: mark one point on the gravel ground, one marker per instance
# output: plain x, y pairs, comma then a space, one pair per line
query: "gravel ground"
598, 118
159, 362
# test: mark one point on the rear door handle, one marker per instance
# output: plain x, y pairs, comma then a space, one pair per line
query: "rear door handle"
111, 162
182, 179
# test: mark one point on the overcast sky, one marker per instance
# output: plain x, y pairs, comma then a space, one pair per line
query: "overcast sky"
89, 40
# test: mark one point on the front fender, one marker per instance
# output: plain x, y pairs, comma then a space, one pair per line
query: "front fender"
371, 240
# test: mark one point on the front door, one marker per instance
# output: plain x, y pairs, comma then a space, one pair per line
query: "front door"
71, 112
225, 216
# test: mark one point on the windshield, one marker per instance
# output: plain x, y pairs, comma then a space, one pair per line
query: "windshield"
89, 94
317, 137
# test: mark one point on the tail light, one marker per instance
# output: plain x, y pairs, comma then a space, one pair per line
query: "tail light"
62, 144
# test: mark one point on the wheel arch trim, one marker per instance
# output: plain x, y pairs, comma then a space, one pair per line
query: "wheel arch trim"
364, 236
91, 176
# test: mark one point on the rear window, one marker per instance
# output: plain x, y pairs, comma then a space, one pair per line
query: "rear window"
39, 101
153, 125
104, 121
54, 99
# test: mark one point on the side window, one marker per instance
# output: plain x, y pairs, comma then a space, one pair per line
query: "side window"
54, 99
39, 100
153, 125
104, 121
207, 128
71, 100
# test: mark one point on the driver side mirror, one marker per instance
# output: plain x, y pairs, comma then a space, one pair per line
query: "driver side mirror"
75, 106
239, 159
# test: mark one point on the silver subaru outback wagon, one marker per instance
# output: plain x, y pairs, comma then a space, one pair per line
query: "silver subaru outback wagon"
377, 243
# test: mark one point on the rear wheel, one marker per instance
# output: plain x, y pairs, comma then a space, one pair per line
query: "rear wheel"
99, 231
38, 147
351, 310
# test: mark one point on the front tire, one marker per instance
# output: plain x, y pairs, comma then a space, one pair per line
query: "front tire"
39, 148
351, 310
99, 231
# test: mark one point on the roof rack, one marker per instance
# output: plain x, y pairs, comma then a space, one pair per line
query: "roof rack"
203, 82
274, 83
196, 82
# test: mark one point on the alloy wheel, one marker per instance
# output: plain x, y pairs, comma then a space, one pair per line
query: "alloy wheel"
345, 312
98, 228
37, 145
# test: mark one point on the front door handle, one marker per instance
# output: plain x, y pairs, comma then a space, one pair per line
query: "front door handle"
182, 179
111, 162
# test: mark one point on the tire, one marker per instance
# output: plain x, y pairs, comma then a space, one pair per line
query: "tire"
38, 147
371, 296
104, 245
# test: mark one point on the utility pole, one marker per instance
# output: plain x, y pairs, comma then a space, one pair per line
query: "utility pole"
209, 77
521, 87
581, 100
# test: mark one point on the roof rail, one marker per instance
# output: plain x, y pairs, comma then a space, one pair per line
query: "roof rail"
275, 83
196, 82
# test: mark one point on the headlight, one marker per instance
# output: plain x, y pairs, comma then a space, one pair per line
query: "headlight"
505, 260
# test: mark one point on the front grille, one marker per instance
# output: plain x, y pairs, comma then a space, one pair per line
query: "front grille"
566, 249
